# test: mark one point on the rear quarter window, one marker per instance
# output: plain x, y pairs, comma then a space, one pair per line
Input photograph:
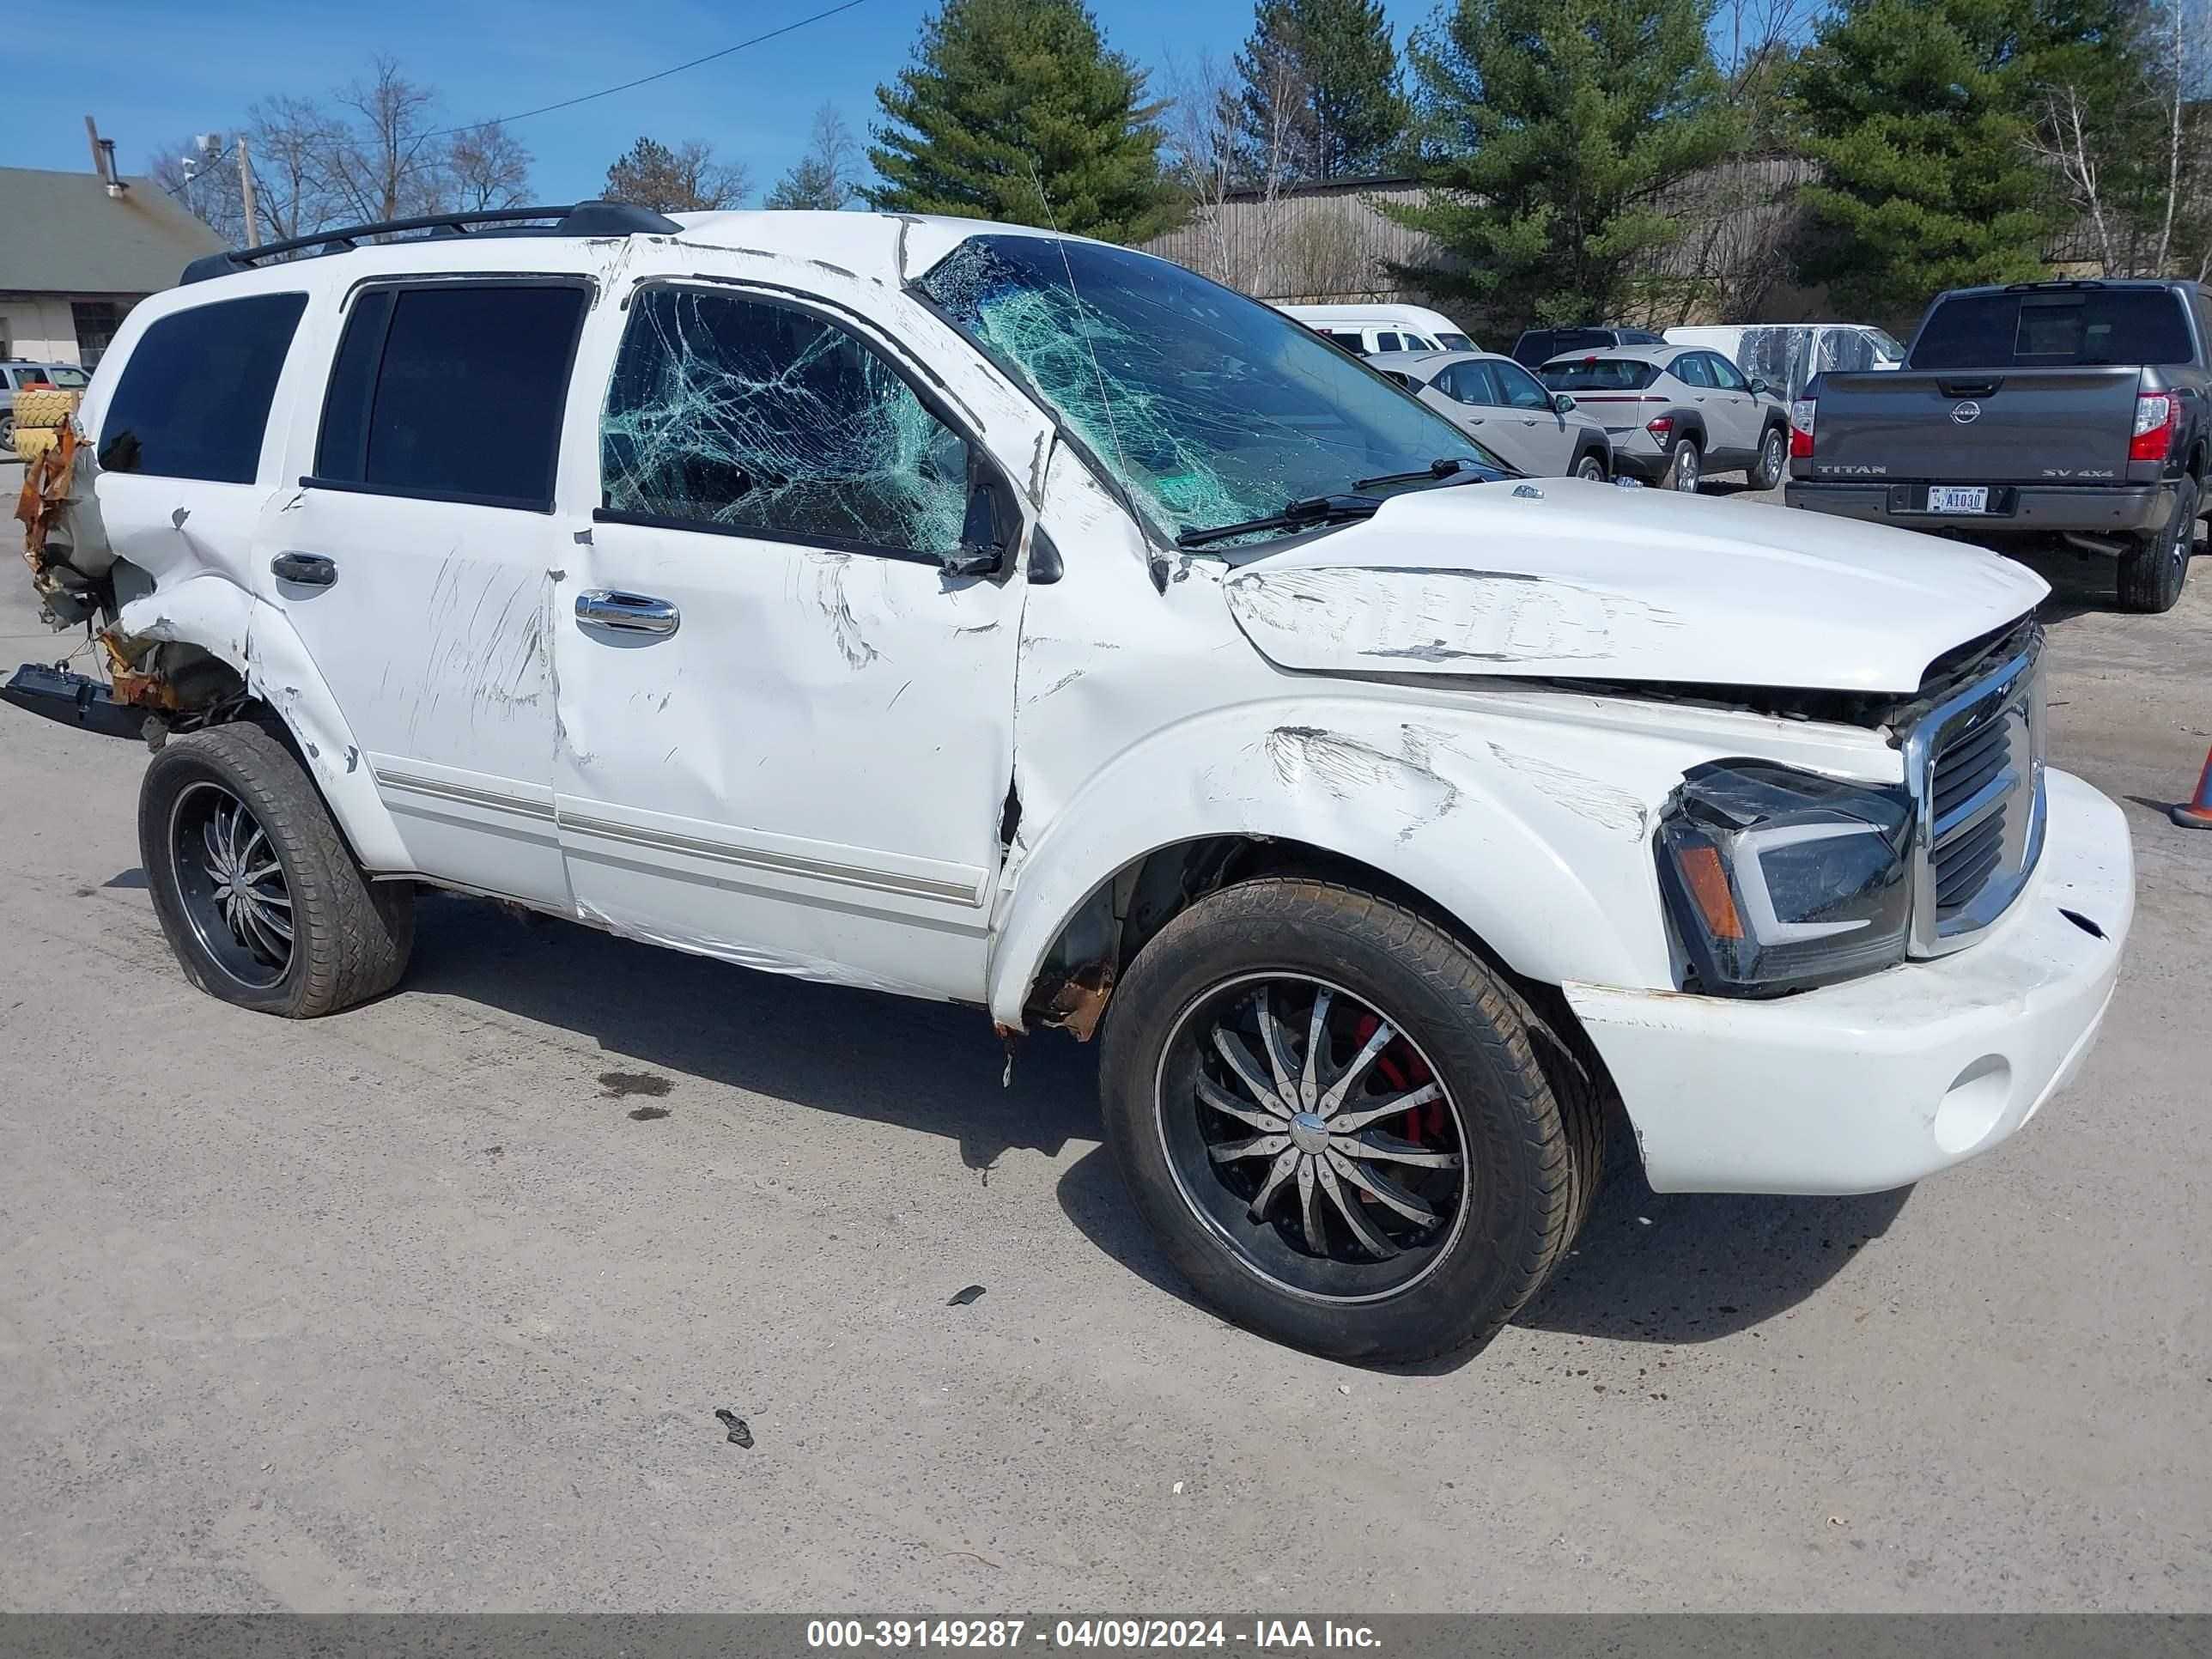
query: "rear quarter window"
193, 400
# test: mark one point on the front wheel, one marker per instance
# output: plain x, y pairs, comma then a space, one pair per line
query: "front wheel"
259, 893
2153, 571
1591, 467
1773, 455
1349, 1135
1686, 468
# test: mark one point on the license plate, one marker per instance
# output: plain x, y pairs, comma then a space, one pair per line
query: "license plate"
1951, 498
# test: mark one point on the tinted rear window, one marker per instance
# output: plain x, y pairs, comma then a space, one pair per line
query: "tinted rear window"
193, 401
452, 392
2055, 330
1600, 375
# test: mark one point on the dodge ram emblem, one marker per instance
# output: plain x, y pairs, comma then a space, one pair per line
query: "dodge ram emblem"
1966, 413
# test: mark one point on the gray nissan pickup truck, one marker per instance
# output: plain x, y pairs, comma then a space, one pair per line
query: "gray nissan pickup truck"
2073, 412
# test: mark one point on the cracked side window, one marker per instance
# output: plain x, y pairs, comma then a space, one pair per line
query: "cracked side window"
745, 415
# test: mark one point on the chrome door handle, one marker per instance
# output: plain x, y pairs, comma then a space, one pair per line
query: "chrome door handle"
307, 569
628, 613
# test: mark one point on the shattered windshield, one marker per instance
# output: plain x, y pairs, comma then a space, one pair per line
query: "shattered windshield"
1209, 408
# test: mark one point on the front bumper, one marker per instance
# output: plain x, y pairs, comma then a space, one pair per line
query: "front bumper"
1874, 1083
2036, 509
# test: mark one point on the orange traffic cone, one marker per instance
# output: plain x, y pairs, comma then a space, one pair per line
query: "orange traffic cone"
2198, 814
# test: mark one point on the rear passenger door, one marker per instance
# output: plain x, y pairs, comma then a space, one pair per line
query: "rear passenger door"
418, 558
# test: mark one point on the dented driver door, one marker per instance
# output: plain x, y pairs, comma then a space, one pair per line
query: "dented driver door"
786, 730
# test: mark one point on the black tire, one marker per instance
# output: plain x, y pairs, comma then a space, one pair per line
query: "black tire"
1686, 466
1591, 465
349, 937
1523, 1103
1774, 457
2152, 572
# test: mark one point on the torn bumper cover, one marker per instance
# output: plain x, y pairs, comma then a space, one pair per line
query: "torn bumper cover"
1874, 1083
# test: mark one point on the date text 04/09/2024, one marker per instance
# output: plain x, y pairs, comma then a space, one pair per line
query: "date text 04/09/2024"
1260, 1636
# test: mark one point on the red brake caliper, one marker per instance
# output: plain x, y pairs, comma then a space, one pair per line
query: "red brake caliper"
1402, 1069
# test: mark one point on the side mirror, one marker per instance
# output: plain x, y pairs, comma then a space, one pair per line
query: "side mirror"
1758, 387
982, 550
1563, 403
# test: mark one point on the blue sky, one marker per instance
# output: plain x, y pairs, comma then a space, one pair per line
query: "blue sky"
153, 72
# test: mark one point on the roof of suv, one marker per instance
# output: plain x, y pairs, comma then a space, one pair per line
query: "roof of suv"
855, 245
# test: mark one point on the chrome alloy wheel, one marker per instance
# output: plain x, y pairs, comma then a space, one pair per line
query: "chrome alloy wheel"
232, 885
1311, 1135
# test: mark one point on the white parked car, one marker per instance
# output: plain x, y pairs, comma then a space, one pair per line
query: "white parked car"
1676, 413
1502, 407
1383, 326
843, 596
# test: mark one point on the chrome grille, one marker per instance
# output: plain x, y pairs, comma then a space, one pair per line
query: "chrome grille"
1975, 761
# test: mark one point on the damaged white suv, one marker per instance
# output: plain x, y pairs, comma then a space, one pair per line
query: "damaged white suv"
964, 611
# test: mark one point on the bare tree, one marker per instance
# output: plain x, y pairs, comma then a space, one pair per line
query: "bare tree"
383, 158
827, 177
2070, 140
685, 180
293, 138
486, 167
205, 185
1233, 178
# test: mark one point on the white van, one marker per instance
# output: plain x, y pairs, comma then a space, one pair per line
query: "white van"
1786, 356
1361, 329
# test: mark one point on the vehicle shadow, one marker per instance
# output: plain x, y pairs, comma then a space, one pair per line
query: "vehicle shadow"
1683, 1267
1673, 1269
1648, 1267
864, 1053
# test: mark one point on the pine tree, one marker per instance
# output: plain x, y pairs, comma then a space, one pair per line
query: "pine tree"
1919, 114
685, 180
1321, 98
1551, 131
1016, 110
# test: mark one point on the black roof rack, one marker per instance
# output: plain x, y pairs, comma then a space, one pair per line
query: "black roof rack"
578, 219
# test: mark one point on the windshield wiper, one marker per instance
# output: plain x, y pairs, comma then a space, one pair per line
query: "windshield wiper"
1313, 509
1438, 470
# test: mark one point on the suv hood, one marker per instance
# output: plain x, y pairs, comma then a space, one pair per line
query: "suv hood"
1591, 581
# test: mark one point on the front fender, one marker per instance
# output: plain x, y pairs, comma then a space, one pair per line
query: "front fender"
1546, 859
257, 638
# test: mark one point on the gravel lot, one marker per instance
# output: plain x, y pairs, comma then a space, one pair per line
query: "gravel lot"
425, 1307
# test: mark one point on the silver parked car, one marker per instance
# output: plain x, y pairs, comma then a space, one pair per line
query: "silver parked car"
1675, 413
1500, 405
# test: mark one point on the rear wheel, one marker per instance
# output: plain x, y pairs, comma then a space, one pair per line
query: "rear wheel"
1773, 455
1591, 466
260, 898
1686, 467
1349, 1135
2152, 572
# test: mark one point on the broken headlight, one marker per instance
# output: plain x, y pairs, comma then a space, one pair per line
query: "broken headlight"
1778, 880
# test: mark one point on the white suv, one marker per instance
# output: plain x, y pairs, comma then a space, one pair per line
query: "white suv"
959, 610
1675, 413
